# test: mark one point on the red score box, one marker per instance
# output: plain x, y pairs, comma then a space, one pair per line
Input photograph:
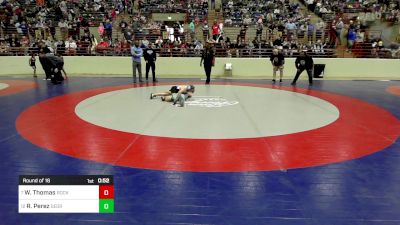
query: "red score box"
106, 191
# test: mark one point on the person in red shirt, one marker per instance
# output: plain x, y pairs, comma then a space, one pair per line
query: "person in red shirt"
40, 2
103, 46
126, 48
113, 14
215, 31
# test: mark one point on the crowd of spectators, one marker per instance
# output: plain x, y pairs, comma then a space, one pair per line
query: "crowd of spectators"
196, 10
370, 10
283, 18
33, 25
248, 12
25, 24
280, 18
162, 6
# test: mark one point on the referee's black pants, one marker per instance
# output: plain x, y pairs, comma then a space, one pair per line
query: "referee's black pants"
151, 65
207, 69
299, 71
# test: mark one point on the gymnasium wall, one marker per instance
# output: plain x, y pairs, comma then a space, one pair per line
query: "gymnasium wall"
337, 68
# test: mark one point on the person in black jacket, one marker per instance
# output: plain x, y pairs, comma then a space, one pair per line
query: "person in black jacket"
208, 57
42, 51
277, 60
150, 57
304, 62
54, 65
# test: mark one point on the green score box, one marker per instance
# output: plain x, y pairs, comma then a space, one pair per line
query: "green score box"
106, 206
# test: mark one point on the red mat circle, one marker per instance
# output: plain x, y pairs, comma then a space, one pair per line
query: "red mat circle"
395, 90
361, 129
16, 86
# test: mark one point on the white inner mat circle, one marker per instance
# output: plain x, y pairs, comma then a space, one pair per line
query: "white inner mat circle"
260, 112
3, 86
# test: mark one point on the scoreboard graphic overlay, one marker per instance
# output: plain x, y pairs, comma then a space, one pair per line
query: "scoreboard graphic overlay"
66, 194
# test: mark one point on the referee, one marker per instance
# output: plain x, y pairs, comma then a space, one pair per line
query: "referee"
304, 62
208, 57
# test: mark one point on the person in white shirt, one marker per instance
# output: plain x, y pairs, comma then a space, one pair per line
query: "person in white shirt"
70, 46
228, 21
359, 36
318, 47
159, 42
198, 48
323, 10
63, 25
145, 42
338, 27
171, 35
319, 27
230, 4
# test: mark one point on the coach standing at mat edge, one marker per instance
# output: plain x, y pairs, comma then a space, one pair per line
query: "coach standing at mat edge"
277, 60
137, 53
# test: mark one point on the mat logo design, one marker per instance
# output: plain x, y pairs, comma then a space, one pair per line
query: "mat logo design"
210, 102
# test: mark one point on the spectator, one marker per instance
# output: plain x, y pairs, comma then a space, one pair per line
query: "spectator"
52, 28
14, 41
145, 42
247, 20
380, 44
338, 26
128, 34
24, 28
302, 30
159, 42
351, 38
198, 48
108, 29
228, 21
206, 31
171, 35
319, 28
4, 47
395, 50
123, 25
70, 46
117, 47
63, 25
359, 36
250, 46
260, 27
215, 31
192, 30
24, 42
125, 46
310, 31
103, 46
242, 35
293, 47
318, 47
